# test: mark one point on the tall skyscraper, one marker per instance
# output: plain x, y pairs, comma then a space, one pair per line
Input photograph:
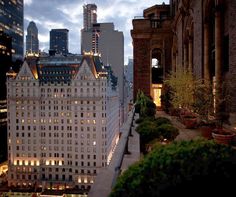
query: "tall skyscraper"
104, 39
32, 41
90, 15
63, 124
59, 40
11, 23
5, 59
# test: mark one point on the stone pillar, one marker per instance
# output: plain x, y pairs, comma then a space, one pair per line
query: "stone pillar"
190, 54
218, 55
174, 62
185, 56
206, 53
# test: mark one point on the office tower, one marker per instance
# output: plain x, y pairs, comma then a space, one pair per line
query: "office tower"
107, 41
90, 15
6, 62
32, 42
63, 124
59, 40
129, 74
11, 23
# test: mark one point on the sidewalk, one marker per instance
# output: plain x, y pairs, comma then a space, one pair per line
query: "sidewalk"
184, 134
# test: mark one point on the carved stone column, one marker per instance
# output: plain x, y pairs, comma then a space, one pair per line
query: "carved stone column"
185, 56
218, 54
206, 53
190, 54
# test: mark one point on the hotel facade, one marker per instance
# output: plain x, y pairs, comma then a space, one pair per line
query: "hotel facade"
63, 122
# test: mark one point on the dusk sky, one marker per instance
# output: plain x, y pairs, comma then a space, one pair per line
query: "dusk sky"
69, 14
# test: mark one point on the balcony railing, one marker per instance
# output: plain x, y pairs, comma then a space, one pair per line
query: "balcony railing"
153, 22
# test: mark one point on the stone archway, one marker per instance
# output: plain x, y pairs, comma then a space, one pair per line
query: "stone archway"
188, 43
152, 39
156, 75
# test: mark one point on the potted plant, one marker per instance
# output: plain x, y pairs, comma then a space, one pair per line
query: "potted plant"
182, 85
203, 105
144, 105
220, 133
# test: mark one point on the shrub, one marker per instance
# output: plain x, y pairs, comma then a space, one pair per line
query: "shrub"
149, 130
187, 168
150, 112
162, 120
141, 119
144, 105
167, 131
137, 107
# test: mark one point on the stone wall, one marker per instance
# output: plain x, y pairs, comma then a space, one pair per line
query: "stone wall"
232, 52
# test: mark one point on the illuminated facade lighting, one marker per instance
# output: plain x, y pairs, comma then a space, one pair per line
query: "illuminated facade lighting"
66, 138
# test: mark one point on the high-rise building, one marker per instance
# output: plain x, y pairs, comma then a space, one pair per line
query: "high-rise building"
63, 124
32, 41
90, 15
129, 71
11, 23
6, 61
108, 42
59, 40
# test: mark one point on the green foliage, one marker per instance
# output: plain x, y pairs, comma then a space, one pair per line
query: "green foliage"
162, 120
151, 129
144, 105
182, 86
147, 130
203, 100
141, 119
167, 131
166, 98
187, 168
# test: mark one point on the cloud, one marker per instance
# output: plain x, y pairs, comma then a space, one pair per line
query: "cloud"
69, 14
27, 2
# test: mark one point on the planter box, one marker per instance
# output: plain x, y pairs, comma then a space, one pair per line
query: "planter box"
190, 123
206, 131
223, 137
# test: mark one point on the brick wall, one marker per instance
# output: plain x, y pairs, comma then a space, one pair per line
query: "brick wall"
142, 72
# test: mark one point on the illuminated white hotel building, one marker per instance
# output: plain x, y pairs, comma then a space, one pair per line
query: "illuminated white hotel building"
63, 122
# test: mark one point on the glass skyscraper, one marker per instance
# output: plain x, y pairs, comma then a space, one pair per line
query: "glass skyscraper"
59, 41
11, 23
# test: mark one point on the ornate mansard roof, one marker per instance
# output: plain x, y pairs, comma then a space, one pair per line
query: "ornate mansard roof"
61, 69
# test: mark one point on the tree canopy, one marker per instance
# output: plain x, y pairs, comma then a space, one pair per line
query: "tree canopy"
187, 168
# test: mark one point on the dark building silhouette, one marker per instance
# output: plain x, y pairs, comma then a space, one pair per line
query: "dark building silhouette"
59, 40
11, 23
5, 59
